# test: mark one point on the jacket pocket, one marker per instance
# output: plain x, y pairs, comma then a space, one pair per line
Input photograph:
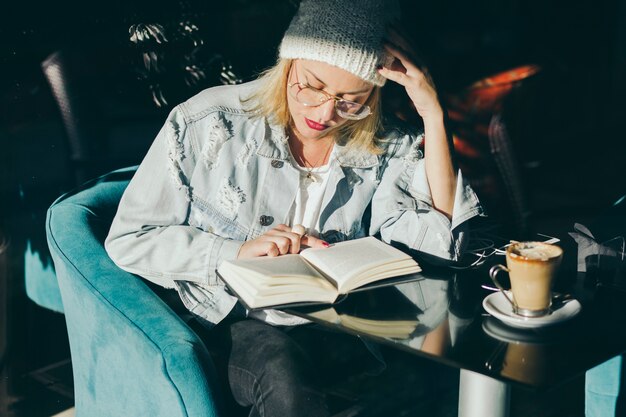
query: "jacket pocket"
206, 217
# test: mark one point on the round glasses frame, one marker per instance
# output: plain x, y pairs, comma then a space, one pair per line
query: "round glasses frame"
360, 111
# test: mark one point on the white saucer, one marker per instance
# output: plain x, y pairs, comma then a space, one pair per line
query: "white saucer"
499, 307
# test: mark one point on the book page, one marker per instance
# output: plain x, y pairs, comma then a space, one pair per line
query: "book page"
345, 261
264, 281
285, 265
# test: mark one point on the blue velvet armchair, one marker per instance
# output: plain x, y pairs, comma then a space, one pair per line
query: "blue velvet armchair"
131, 354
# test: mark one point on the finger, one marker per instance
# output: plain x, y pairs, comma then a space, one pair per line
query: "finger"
415, 67
399, 38
294, 246
404, 75
396, 76
283, 228
258, 248
282, 243
298, 229
293, 238
402, 56
314, 242
272, 250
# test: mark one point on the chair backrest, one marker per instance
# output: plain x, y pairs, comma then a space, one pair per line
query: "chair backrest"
489, 120
510, 173
131, 354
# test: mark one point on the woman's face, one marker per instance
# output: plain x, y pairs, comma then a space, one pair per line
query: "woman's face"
318, 122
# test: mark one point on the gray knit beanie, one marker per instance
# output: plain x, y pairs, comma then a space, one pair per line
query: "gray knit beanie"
345, 33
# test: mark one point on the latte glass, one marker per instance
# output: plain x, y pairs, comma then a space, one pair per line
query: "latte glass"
532, 267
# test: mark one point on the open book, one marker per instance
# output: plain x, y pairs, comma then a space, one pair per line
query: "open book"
316, 275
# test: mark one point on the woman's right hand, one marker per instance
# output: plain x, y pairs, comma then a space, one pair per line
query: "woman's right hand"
280, 240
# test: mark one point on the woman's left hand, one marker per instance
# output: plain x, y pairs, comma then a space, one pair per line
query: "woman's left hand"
408, 72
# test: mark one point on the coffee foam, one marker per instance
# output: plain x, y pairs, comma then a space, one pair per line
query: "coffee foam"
536, 250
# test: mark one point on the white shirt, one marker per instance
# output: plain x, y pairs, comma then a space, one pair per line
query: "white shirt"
305, 210
307, 205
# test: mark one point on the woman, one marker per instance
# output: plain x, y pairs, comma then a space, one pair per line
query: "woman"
299, 157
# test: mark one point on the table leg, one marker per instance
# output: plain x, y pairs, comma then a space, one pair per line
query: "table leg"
482, 396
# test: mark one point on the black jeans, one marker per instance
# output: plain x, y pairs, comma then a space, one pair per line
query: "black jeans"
278, 371
270, 372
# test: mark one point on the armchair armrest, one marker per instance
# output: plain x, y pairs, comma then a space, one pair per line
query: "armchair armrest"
131, 354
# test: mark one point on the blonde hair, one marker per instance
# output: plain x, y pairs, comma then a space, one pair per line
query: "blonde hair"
270, 101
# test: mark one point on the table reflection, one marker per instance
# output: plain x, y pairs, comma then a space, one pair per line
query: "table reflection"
440, 316
521, 354
415, 315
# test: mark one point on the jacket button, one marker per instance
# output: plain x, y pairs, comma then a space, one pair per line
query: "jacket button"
266, 220
277, 164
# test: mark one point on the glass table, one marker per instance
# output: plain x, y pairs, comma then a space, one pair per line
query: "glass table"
440, 317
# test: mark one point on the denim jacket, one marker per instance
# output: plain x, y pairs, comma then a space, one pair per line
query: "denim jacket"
218, 175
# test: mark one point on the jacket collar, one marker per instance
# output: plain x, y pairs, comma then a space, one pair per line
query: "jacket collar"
275, 146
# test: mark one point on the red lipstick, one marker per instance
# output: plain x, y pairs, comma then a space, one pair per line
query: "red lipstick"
314, 125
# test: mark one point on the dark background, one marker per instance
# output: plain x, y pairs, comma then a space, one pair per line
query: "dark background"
567, 129
570, 133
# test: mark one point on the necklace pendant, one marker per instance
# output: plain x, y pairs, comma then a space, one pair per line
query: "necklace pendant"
311, 177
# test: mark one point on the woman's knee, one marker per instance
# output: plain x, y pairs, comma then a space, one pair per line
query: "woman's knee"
259, 347
269, 370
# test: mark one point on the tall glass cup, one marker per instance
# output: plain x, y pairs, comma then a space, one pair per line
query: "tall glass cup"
532, 267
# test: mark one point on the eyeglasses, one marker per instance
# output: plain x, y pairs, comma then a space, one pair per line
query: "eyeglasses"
312, 97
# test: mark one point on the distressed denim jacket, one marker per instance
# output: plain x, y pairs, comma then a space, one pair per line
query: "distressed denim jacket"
218, 175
